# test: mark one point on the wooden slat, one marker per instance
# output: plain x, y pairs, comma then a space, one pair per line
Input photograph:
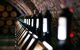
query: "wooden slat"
22, 34
31, 42
18, 29
28, 36
18, 32
22, 37
18, 38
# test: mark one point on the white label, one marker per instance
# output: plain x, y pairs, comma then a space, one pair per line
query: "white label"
32, 23
44, 24
62, 28
24, 20
29, 21
37, 23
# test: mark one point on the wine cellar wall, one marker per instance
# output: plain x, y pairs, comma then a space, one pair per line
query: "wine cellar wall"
8, 16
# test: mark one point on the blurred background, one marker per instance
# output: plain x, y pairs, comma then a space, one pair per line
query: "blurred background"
42, 18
